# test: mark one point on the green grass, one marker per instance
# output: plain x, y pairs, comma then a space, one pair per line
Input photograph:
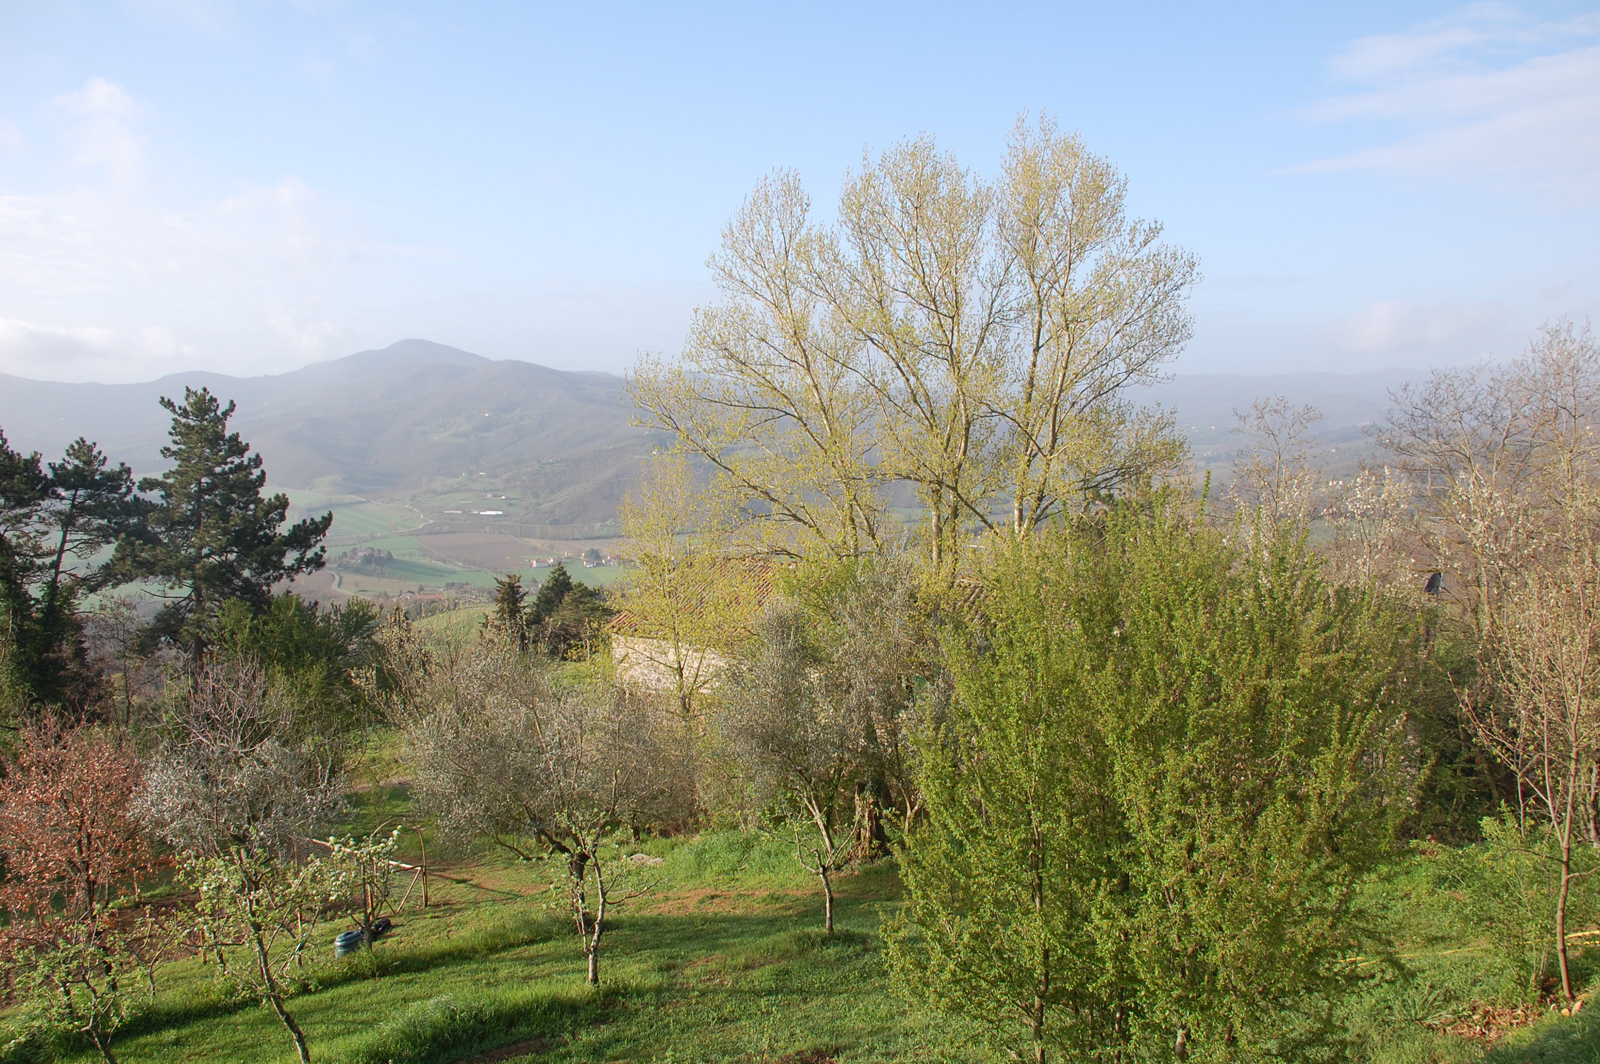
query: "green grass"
599, 576
408, 546
371, 519
722, 961
352, 515
457, 626
434, 574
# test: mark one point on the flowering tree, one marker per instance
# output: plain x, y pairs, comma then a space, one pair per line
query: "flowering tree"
233, 787
71, 849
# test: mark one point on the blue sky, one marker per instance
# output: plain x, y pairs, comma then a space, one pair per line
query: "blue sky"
250, 186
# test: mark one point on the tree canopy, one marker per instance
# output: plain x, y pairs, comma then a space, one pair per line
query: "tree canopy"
971, 340
1169, 763
212, 536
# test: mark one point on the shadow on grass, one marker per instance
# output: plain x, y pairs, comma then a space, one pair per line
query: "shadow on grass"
1556, 1040
744, 960
216, 1000
451, 1028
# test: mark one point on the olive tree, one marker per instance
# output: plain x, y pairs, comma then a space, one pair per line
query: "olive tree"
797, 750
545, 770
815, 714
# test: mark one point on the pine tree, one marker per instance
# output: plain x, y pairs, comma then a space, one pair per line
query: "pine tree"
510, 614
91, 504
52, 521
212, 536
24, 488
551, 593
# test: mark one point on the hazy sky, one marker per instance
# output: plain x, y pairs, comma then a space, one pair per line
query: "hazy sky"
250, 186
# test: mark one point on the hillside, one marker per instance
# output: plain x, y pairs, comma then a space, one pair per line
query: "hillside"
460, 466
411, 418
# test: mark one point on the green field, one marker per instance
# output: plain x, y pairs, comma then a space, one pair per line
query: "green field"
599, 576
723, 961
352, 516
412, 566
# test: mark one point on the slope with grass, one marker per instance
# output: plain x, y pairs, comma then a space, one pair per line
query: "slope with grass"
722, 960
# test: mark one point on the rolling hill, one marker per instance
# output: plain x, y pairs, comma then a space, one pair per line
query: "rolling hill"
411, 418
468, 464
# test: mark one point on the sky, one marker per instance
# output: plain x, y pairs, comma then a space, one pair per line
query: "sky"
248, 186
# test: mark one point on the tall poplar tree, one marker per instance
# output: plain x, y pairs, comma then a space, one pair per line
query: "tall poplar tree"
974, 342
212, 536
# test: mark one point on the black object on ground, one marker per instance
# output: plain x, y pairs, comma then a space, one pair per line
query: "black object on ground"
350, 941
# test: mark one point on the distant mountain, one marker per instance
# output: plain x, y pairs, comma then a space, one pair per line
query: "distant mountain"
378, 423
419, 415
1352, 406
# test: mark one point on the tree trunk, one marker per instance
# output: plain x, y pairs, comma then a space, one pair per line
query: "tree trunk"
592, 943
871, 840
102, 1044
1036, 1020
827, 900
274, 995
1561, 919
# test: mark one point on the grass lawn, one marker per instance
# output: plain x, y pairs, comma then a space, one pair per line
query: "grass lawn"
723, 962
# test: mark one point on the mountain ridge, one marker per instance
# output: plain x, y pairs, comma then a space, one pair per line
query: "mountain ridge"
390, 422
377, 422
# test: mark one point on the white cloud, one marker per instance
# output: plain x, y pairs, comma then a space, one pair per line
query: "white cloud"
1396, 327
29, 342
103, 130
1488, 96
111, 279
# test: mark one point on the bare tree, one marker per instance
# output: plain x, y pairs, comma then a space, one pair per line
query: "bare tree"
544, 770
1276, 472
1541, 713
1504, 466
234, 788
1497, 458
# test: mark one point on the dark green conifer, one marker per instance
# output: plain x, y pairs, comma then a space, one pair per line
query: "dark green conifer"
212, 536
510, 615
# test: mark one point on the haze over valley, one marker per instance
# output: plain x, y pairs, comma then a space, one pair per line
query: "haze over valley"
463, 466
